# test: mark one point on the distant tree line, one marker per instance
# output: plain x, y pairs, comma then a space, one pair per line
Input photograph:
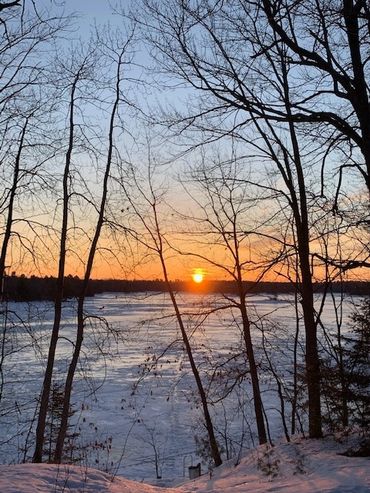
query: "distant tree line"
22, 288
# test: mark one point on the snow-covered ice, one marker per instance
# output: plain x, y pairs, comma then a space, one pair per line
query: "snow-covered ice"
162, 412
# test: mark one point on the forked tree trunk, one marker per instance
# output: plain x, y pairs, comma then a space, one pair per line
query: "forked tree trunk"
81, 300
46, 387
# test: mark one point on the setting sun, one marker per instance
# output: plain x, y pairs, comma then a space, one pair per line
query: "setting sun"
198, 276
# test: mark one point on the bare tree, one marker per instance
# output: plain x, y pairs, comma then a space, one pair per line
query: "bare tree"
23, 102
329, 41
27, 108
145, 205
77, 73
120, 56
215, 50
228, 206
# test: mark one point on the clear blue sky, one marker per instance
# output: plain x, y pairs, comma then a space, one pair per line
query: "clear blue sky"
89, 11
90, 8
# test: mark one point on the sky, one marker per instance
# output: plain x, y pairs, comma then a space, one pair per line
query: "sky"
180, 267
89, 12
88, 8
100, 12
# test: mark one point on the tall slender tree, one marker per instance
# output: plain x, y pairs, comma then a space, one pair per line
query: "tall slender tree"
77, 74
121, 57
145, 201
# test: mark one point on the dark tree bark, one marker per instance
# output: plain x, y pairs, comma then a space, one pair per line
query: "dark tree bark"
10, 207
46, 387
300, 210
8, 5
89, 265
156, 244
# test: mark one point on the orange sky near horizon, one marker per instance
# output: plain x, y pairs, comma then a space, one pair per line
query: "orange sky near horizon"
190, 249
178, 270
128, 261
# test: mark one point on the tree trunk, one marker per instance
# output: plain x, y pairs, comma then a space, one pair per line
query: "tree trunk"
9, 220
300, 210
45, 395
81, 300
257, 401
216, 456
312, 358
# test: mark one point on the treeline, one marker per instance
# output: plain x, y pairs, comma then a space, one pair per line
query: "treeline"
44, 288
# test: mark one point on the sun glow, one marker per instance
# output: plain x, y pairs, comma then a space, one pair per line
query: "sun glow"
198, 276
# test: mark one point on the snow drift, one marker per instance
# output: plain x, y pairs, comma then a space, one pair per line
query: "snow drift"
304, 466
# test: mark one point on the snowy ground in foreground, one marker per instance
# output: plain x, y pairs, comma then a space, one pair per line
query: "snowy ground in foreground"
303, 466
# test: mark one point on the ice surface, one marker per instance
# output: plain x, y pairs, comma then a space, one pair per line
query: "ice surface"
133, 414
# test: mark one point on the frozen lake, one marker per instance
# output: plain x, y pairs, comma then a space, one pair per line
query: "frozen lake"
134, 399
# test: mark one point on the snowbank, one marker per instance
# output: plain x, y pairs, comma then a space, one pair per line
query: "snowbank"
302, 466
49, 478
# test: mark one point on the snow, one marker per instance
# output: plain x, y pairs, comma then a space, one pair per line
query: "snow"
47, 478
309, 466
301, 466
